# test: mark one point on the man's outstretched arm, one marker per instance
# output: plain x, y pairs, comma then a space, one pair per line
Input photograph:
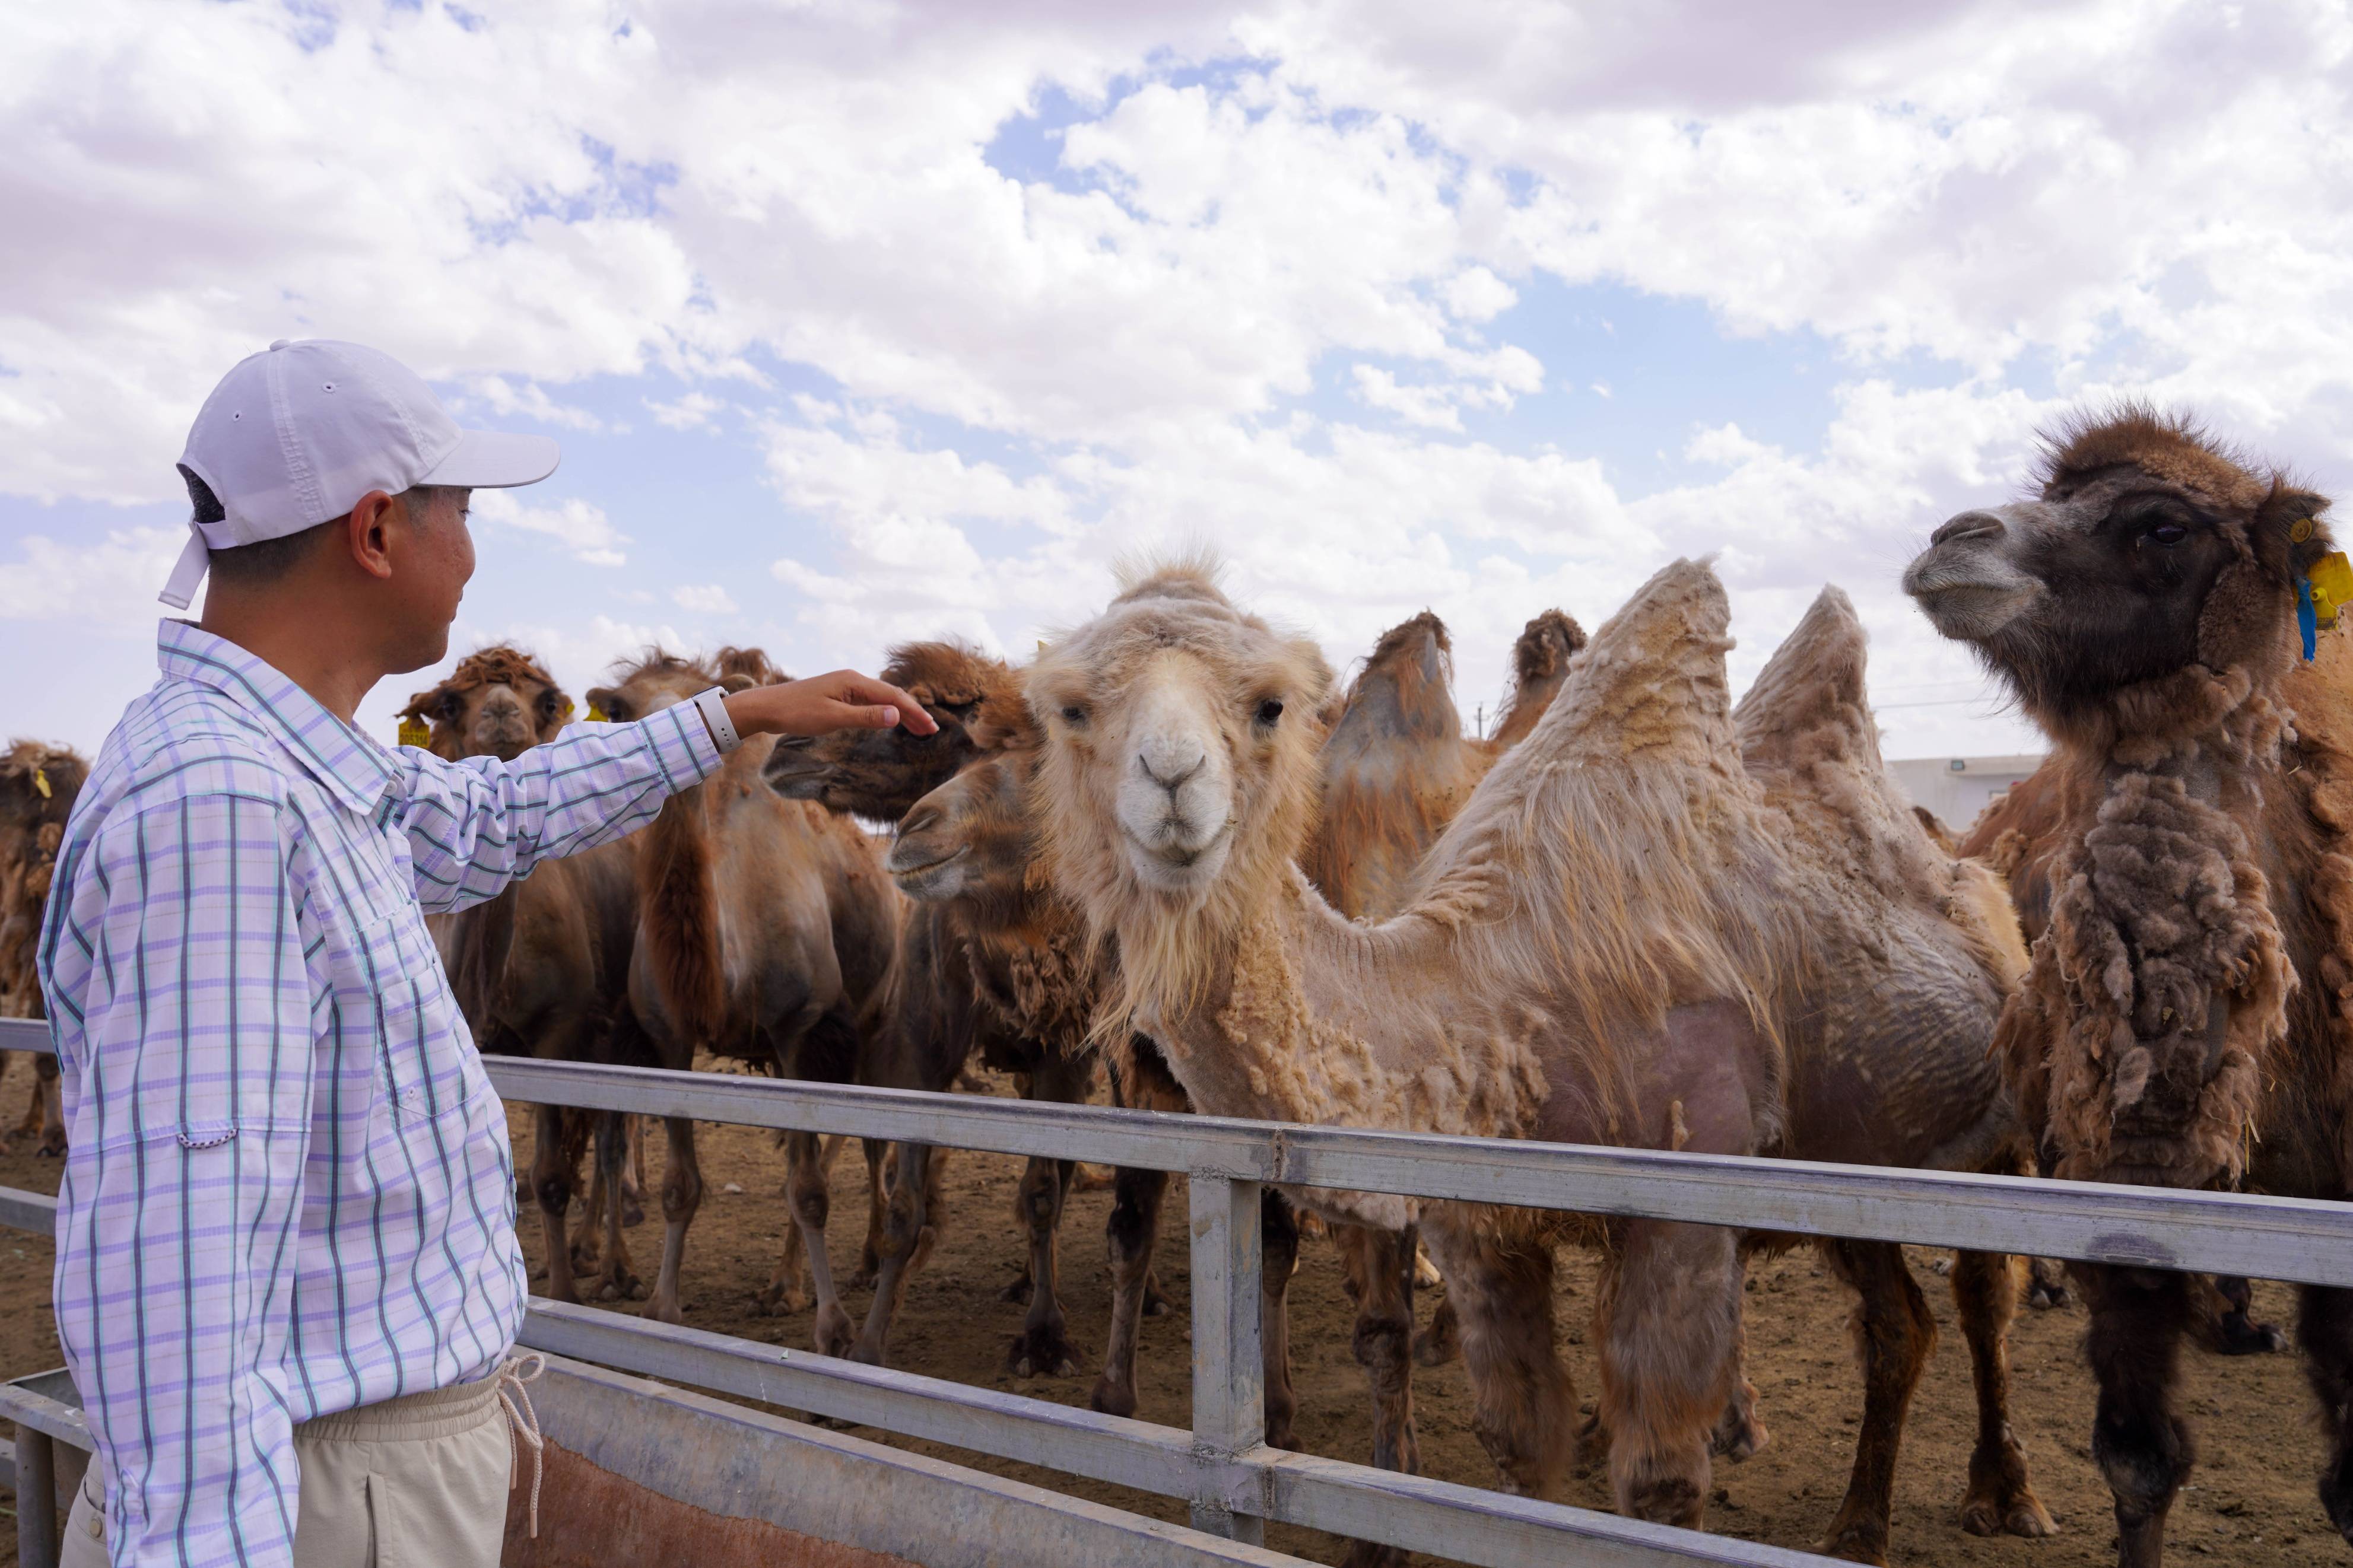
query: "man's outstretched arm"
475, 826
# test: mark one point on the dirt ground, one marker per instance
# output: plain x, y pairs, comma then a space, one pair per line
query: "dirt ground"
2252, 1501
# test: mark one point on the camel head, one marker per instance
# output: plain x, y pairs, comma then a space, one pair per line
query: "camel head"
881, 773
2149, 550
1179, 773
658, 679
1539, 664
968, 841
498, 702
39, 785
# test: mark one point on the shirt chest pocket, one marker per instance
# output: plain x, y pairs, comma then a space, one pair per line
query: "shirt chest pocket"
392, 987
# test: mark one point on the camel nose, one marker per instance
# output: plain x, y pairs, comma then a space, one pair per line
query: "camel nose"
923, 819
1967, 525
1174, 778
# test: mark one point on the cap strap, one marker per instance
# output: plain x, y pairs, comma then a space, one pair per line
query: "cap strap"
188, 572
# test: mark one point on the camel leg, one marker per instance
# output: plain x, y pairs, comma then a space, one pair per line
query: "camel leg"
907, 1225
1668, 1315
51, 1094
616, 1278
1378, 1266
2000, 1498
808, 1205
2324, 1331
1740, 1435
1441, 1341
551, 1180
811, 1201
1130, 1233
633, 1169
2138, 1439
681, 1195
869, 1251
1525, 1404
1043, 1347
1893, 1332
1278, 1229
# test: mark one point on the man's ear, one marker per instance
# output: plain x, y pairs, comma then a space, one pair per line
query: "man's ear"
369, 528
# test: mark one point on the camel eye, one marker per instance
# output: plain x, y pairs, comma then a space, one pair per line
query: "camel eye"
1270, 710
1074, 714
449, 708
2167, 534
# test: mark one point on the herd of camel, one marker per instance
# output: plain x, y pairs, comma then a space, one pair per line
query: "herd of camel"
1172, 849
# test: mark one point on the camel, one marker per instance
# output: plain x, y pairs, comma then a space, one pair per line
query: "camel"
543, 969
1598, 949
2183, 1022
765, 928
1395, 770
38, 786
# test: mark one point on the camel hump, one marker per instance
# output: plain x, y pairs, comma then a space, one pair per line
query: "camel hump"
1650, 686
1403, 693
1807, 707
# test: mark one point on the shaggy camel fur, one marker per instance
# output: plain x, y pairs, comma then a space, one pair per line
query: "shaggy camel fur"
764, 926
2019, 836
2184, 1023
542, 970
38, 786
1396, 767
1600, 948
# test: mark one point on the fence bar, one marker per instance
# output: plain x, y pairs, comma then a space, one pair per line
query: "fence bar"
2261, 1237
1228, 1365
21, 1210
36, 1497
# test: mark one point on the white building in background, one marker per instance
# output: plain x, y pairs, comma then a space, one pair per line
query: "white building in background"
1958, 788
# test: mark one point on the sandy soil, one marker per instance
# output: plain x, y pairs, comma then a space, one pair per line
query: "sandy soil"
2252, 1501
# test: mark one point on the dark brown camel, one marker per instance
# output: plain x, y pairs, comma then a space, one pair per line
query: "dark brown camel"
39, 785
2182, 1023
542, 970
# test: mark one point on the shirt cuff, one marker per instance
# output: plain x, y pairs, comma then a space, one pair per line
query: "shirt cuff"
684, 746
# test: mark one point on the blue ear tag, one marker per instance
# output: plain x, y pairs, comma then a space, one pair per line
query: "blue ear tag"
2307, 619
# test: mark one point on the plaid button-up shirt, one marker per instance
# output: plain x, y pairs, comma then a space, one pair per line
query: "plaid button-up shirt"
289, 1191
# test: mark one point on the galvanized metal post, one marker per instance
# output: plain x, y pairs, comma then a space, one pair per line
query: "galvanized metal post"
1228, 1367
37, 1498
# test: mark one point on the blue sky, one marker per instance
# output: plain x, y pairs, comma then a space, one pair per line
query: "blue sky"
860, 324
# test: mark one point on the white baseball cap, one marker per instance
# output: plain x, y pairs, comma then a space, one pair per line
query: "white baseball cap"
294, 436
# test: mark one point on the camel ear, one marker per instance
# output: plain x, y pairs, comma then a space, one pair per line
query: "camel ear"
2288, 533
734, 683
605, 703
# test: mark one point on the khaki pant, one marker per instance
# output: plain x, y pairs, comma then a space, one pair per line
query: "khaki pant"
415, 1482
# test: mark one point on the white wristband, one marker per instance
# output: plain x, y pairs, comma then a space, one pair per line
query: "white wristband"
713, 705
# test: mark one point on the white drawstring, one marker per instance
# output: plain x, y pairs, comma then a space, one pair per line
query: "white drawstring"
524, 1423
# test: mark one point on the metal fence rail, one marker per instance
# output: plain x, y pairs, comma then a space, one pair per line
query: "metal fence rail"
1222, 1467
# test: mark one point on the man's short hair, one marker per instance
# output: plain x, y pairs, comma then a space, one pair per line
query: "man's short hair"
258, 565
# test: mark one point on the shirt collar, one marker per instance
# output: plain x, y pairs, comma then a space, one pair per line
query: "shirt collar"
353, 768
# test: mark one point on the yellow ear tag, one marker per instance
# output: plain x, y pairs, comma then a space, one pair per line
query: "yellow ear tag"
41, 781
2332, 586
413, 732
597, 715
564, 713
2300, 530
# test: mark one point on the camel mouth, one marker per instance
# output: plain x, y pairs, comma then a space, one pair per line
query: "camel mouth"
926, 878
1970, 599
1177, 868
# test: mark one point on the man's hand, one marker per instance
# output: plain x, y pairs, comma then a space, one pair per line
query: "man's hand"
824, 703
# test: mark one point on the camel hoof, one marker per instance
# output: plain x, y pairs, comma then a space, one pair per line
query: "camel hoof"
1112, 1399
1737, 1442
1853, 1545
2043, 1295
2242, 1335
662, 1311
1437, 1344
863, 1279
49, 1148
2018, 1512
833, 1335
633, 1215
1042, 1350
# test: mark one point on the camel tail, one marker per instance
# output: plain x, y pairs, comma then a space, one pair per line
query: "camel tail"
681, 915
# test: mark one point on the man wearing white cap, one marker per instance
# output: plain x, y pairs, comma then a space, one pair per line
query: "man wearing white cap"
288, 1283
